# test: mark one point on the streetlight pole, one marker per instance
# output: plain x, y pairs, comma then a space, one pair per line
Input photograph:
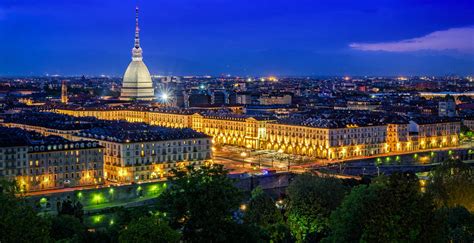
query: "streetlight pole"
243, 155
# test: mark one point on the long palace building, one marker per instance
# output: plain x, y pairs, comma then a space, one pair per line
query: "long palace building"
81, 147
40, 162
319, 134
132, 152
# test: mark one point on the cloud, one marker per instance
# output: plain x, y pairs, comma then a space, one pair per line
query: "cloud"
459, 39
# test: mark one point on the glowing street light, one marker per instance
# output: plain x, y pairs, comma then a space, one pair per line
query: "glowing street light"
97, 198
243, 155
164, 96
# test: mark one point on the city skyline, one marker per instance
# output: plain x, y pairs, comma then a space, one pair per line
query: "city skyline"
230, 121
224, 37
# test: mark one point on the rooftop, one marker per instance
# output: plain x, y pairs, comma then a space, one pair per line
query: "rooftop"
341, 119
434, 119
124, 132
52, 120
225, 115
15, 137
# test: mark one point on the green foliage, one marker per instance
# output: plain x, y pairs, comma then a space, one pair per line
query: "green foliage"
67, 228
75, 209
201, 202
466, 132
452, 184
459, 224
262, 212
19, 222
9, 187
311, 200
391, 209
149, 229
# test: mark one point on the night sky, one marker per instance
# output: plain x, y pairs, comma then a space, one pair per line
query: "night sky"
239, 37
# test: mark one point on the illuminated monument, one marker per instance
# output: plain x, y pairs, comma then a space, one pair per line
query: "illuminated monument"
137, 84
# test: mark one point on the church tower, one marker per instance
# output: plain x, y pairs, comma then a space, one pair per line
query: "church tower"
64, 98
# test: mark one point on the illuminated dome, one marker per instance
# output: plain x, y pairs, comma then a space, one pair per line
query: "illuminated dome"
137, 83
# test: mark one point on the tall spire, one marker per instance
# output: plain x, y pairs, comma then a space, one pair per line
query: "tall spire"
137, 29
137, 50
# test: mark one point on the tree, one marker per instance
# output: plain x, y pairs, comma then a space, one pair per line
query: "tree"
389, 210
452, 184
262, 212
149, 229
201, 202
459, 224
311, 201
18, 221
9, 187
67, 227
74, 209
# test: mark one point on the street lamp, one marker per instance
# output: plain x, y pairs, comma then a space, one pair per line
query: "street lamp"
243, 155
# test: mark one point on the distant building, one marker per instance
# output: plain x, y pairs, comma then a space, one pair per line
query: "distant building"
64, 98
447, 107
199, 99
171, 79
362, 105
244, 98
38, 163
179, 99
434, 132
233, 98
275, 99
469, 123
219, 98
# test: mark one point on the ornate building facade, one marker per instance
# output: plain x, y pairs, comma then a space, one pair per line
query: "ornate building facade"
337, 141
138, 153
41, 163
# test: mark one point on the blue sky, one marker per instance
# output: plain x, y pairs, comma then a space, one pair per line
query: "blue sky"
239, 37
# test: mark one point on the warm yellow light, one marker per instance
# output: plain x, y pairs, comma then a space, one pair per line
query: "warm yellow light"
243, 154
422, 183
